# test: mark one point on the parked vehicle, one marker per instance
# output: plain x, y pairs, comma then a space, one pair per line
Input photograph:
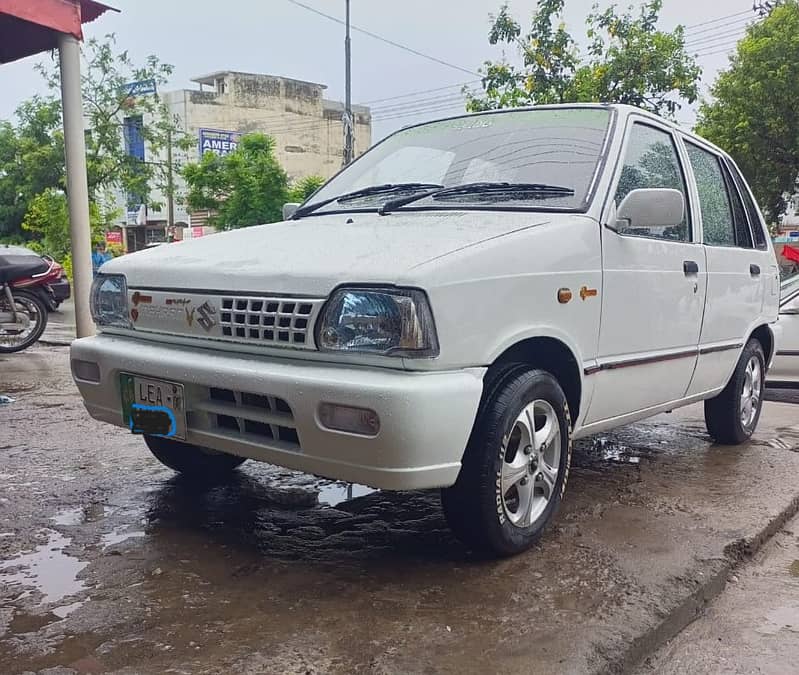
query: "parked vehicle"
52, 286
451, 311
784, 373
23, 315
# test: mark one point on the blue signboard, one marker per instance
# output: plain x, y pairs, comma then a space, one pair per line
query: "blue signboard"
140, 88
132, 131
219, 142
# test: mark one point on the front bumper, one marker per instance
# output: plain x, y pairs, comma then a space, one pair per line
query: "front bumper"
426, 418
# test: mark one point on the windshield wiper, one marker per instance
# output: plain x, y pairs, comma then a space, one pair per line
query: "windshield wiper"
385, 188
536, 190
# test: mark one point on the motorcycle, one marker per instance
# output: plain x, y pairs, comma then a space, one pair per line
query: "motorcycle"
41, 283
23, 313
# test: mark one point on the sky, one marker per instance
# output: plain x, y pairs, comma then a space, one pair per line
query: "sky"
281, 38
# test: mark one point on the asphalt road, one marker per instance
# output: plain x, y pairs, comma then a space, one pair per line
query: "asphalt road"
111, 563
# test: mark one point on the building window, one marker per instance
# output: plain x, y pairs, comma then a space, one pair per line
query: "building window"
154, 235
220, 85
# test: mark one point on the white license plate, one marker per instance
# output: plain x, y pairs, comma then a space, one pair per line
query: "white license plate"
153, 406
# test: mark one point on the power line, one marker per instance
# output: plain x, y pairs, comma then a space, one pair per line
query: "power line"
690, 35
725, 50
721, 18
700, 44
423, 91
384, 39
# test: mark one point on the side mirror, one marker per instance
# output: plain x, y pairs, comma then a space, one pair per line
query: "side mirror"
650, 207
289, 210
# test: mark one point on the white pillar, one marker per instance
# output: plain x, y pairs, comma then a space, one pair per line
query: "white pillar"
77, 185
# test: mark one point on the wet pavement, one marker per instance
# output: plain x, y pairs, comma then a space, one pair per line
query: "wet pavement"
752, 628
111, 563
60, 328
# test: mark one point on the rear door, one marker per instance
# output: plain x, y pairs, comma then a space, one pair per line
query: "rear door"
738, 272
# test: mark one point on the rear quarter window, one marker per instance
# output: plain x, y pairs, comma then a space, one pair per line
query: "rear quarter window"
752, 211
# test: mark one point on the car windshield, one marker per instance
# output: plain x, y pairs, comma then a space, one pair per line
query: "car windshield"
554, 150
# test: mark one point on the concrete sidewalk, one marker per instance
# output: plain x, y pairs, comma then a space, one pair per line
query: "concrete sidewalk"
60, 329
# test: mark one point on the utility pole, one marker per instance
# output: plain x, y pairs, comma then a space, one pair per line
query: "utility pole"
348, 121
77, 187
170, 185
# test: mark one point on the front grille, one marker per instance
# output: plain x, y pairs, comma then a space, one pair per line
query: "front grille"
259, 418
277, 321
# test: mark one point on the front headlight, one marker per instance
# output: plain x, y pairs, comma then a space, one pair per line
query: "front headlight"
392, 322
109, 301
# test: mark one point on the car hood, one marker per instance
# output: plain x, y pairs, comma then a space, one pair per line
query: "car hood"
313, 255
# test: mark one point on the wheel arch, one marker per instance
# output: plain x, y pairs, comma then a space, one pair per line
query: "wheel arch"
550, 354
765, 336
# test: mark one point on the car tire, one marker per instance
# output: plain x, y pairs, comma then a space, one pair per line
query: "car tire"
192, 461
511, 480
732, 416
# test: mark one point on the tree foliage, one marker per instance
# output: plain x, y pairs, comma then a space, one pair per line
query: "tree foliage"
31, 159
754, 109
47, 221
628, 60
245, 187
105, 78
32, 146
304, 188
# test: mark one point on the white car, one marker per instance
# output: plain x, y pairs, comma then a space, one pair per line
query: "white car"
784, 372
451, 311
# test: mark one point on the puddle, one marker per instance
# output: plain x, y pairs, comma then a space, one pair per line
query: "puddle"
117, 537
794, 568
69, 517
614, 452
47, 569
65, 610
336, 493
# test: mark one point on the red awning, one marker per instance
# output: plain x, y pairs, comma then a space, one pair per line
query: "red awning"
30, 26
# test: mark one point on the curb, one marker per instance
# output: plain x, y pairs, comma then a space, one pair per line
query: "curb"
54, 342
714, 580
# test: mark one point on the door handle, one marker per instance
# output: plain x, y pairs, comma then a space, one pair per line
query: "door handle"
754, 270
690, 267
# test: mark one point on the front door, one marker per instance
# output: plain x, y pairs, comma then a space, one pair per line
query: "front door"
653, 290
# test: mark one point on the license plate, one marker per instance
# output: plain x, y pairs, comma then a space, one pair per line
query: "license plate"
153, 406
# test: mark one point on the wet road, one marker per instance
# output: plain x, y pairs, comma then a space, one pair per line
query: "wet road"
109, 563
752, 628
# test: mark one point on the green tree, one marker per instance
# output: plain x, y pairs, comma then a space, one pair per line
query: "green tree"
108, 104
31, 160
245, 187
628, 60
304, 188
753, 112
47, 222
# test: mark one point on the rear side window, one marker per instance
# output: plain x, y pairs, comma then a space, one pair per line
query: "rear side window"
743, 235
751, 208
714, 201
652, 162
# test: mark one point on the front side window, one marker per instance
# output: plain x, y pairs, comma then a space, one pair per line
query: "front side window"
651, 161
547, 157
714, 201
